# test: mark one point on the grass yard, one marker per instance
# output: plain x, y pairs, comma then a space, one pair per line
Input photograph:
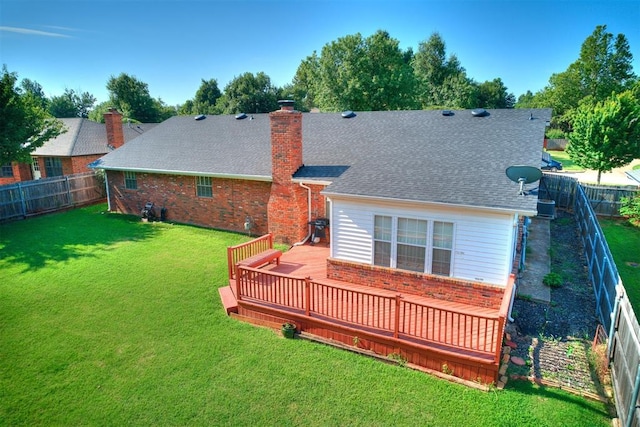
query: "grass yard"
105, 320
624, 242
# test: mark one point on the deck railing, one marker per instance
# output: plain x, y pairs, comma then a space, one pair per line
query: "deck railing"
237, 253
404, 319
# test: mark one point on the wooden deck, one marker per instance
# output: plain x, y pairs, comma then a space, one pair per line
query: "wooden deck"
427, 332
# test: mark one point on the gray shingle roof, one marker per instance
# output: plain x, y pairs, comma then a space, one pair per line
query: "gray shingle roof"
84, 137
405, 155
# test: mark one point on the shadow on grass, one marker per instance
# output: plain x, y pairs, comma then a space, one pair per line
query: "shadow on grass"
67, 235
552, 393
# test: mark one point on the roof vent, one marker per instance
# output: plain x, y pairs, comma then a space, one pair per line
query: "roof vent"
200, 117
348, 114
241, 116
447, 113
479, 112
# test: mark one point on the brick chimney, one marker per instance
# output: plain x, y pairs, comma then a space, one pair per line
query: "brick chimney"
115, 134
287, 209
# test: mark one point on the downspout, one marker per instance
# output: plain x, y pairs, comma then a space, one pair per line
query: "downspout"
308, 215
106, 183
513, 297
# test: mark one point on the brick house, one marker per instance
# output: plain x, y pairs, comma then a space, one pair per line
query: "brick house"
83, 142
409, 190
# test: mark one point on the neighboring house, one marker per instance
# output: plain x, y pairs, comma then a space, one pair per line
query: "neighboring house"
83, 142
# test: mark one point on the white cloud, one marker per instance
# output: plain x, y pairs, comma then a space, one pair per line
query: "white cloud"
31, 32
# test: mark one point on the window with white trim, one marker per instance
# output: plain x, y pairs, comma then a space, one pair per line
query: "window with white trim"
130, 180
413, 244
7, 170
204, 186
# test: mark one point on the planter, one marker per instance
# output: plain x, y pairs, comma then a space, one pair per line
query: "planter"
288, 330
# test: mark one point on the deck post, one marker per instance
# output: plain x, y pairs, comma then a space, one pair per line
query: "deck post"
238, 279
307, 296
396, 328
499, 333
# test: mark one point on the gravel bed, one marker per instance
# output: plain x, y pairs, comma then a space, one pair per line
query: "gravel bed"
554, 338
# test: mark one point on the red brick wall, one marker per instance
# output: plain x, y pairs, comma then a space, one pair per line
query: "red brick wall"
233, 200
21, 172
113, 125
79, 163
438, 287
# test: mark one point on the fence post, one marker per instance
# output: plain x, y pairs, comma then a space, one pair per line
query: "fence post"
69, 195
397, 319
23, 203
307, 296
614, 320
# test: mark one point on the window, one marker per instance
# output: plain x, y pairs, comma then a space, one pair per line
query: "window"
382, 241
53, 166
130, 180
7, 171
413, 244
442, 245
36, 165
204, 188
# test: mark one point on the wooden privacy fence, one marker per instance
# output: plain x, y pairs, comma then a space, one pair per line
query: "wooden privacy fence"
624, 353
392, 315
605, 200
27, 198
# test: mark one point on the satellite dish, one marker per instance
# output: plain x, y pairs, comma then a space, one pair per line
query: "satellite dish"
523, 175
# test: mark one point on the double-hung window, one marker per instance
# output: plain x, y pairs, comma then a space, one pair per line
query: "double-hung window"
130, 180
413, 244
204, 186
53, 166
7, 170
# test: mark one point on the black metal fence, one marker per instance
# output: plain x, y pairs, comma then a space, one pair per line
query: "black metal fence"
24, 199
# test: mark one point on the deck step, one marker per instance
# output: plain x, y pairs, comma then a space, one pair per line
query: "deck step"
228, 299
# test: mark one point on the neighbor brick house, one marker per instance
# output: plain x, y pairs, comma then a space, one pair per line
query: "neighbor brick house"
83, 142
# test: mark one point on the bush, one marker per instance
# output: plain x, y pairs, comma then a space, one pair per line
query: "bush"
553, 280
630, 208
555, 134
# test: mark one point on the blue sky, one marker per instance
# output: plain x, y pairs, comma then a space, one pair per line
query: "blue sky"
171, 45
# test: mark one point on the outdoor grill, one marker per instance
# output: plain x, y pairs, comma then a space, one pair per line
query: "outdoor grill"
319, 226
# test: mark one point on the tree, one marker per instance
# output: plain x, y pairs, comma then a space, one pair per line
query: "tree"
24, 124
603, 67
249, 93
354, 73
71, 104
493, 94
442, 81
205, 100
606, 135
131, 97
33, 88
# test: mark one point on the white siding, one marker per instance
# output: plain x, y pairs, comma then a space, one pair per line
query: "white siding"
483, 241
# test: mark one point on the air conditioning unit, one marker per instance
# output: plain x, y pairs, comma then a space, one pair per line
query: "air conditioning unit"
546, 208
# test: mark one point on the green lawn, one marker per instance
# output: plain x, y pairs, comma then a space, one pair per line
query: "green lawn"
105, 320
624, 242
567, 163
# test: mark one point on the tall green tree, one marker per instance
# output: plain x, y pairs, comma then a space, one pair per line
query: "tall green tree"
606, 135
603, 67
204, 101
131, 97
493, 94
249, 93
442, 81
34, 89
71, 104
24, 124
356, 73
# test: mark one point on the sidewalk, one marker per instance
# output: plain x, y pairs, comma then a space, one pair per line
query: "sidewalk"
537, 262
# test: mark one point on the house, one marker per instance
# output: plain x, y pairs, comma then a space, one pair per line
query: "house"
83, 142
418, 202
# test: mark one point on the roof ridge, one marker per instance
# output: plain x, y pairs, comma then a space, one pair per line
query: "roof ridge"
75, 136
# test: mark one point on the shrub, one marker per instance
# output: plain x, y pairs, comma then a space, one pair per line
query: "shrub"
553, 280
555, 134
630, 208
